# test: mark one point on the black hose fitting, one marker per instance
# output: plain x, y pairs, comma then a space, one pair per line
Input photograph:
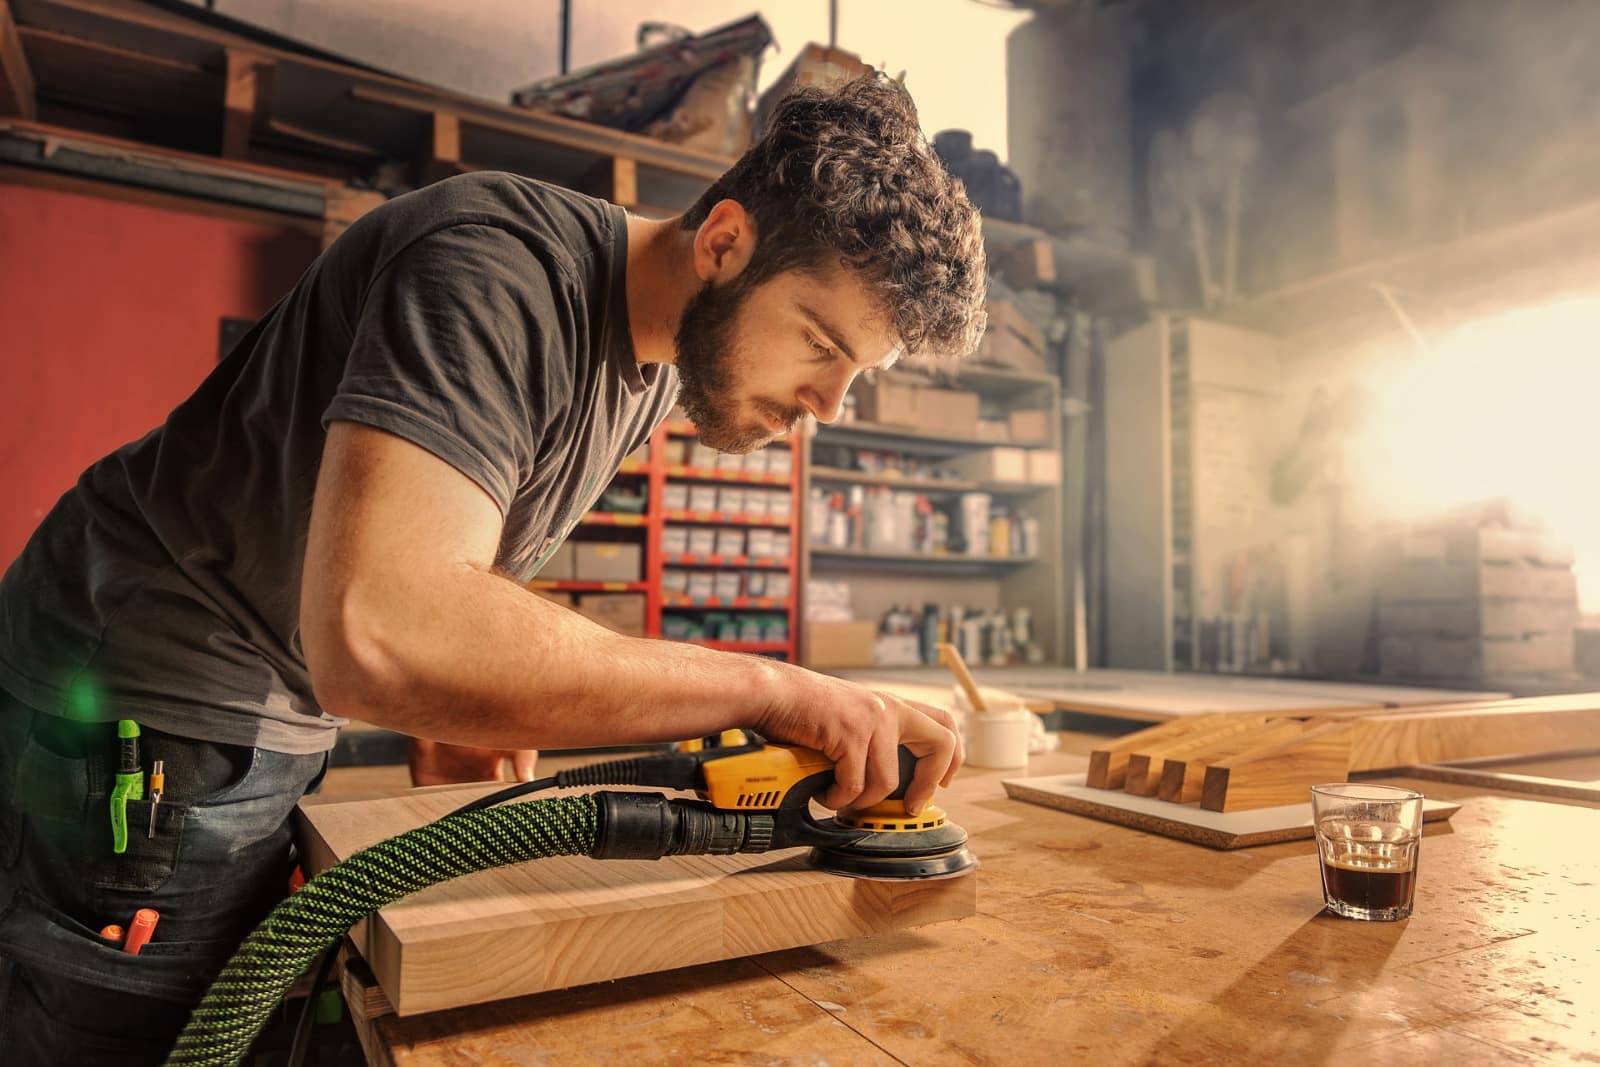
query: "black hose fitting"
647, 826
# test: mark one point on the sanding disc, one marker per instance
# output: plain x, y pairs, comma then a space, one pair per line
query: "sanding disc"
940, 852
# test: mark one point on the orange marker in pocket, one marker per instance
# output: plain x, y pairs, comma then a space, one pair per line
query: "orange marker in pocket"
144, 924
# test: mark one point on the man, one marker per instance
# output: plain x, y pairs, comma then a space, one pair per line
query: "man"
340, 520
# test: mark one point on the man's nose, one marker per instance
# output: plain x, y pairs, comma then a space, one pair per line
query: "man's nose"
825, 399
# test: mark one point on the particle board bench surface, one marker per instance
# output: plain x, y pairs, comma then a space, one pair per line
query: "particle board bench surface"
1098, 943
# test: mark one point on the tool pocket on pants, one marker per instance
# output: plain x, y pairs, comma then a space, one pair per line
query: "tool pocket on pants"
39, 937
67, 996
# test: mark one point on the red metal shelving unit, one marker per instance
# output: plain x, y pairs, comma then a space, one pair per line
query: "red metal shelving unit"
658, 602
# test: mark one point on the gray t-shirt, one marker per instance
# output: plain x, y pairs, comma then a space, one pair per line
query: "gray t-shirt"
483, 318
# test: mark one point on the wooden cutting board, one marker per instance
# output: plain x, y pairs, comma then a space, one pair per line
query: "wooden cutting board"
1214, 829
561, 922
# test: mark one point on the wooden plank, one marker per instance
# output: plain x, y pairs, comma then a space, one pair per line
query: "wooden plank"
1159, 703
1280, 773
1182, 777
16, 77
572, 920
1221, 830
440, 156
245, 97
1536, 724
1532, 784
1146, 766
541, 126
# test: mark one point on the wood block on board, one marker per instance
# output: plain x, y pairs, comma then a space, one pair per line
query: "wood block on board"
1183, 774
1277, 774
1145, 766
554, 923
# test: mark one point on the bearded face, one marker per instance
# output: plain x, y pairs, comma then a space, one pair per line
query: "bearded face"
713, 373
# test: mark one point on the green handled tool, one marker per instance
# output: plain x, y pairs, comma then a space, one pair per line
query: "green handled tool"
129, 783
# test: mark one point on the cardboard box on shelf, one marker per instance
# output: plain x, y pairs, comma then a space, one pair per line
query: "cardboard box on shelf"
702, 583
702, 541
1044, 466
607, 561
730, 542
622, 612
815, 65
899, 403
703, 498
1029, 426
891, 403
1007, 317
729, 584
675, 496
992, 465
559, 566
948, 411
675, 581
675, 539
840, 644
1002, 348
731, 500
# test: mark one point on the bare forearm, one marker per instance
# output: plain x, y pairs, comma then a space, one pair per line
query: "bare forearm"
475, 659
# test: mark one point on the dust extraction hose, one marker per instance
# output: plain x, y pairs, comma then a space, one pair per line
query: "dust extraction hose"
238, 1004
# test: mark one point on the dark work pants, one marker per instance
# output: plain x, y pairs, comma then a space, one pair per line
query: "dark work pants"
218, 862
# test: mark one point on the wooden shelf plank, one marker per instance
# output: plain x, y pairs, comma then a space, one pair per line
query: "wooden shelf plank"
879, 436
921, 559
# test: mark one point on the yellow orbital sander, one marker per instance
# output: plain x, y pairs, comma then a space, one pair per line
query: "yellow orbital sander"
756, 796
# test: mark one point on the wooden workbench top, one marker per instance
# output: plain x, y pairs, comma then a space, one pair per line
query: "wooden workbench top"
1097, 943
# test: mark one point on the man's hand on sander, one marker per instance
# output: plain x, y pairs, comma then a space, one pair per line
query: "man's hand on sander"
860, 729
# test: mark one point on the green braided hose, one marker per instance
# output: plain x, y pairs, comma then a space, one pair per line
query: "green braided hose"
278, 951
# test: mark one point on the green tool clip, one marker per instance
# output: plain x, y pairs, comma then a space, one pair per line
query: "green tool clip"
129, 782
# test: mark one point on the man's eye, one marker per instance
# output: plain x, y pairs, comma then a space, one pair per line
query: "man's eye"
819, 348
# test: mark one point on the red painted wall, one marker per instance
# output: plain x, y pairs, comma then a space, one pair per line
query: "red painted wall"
108, 318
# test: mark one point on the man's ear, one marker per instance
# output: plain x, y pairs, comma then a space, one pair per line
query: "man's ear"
724, 243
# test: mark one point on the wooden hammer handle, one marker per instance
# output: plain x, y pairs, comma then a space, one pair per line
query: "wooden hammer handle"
950, 657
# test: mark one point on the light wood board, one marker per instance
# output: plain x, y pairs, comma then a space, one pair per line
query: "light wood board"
1261, 826
561, 922
1157, 696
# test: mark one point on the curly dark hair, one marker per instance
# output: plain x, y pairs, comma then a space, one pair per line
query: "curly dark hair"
846, 175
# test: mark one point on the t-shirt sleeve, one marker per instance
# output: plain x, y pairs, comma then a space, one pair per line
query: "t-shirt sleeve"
456, 348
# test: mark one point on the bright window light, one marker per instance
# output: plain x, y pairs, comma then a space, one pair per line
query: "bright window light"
1508, 407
